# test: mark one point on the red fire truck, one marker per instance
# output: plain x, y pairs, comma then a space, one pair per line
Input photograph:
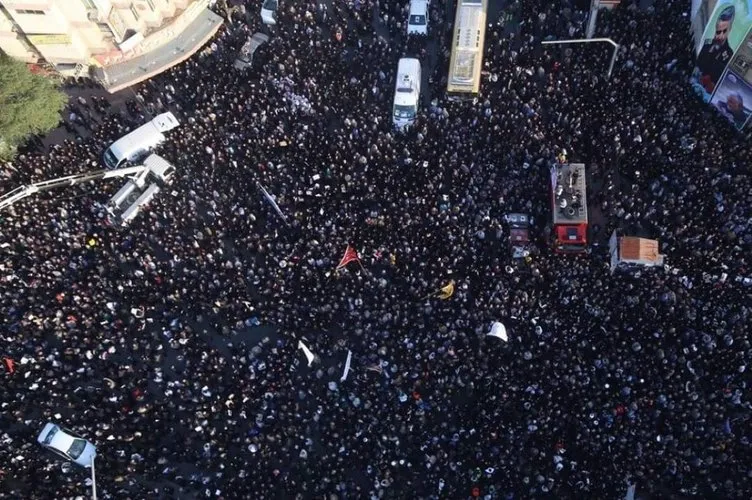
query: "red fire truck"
569, 207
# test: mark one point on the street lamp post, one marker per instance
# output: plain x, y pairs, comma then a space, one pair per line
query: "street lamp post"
93, 480
590, 40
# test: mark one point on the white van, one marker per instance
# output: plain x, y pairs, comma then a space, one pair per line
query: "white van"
138, 142
406, 92
417, 22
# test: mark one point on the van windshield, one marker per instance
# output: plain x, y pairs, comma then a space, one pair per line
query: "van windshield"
110, 159
417, 20
401, 111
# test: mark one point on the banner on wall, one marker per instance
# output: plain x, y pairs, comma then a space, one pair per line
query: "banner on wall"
727, 27
733, 99
51, 39
741, 63
700, 19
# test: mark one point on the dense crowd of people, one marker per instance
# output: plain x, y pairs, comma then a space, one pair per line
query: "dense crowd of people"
144, 339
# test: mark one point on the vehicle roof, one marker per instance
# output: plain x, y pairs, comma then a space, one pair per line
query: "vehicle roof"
147, 134
60, 441
408, 75
158, 165
408, 65
259, 38
418, 7
165, 122
571, 177
519, 235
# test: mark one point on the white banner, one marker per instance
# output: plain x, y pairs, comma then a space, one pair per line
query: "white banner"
308, 354
273, 202
347, 366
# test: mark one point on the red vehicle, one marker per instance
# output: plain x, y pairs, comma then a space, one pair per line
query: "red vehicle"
569, 207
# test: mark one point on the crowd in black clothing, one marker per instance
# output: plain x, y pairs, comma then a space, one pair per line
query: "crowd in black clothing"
606, 378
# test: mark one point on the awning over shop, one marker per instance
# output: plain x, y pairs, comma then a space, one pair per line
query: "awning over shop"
120, 75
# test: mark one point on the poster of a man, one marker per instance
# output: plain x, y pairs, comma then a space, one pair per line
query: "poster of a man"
734, 99
725, 30
716, 52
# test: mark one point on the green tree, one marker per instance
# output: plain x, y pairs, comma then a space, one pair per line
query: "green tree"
29, 104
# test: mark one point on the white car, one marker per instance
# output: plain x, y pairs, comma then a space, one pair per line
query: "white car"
67, 445
269, 11
417, 22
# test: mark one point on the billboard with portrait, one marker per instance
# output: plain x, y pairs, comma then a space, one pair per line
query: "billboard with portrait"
726, 29
733, 99
701, 11
741, 63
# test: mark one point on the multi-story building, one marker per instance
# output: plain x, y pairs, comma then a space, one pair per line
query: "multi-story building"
122, 42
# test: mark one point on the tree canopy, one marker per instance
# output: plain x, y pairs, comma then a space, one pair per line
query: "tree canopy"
29, 104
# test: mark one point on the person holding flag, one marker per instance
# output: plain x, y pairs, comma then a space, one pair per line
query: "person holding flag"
444, 292
350, 255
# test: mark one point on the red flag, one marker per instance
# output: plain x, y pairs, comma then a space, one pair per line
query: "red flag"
10, 364
350, 255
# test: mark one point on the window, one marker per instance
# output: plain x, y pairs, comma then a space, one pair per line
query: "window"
50, 435
151, 5
135, 13
30, 12
106, 30
76, 448
417, 20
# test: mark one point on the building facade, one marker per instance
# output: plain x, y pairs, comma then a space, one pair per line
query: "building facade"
105, 37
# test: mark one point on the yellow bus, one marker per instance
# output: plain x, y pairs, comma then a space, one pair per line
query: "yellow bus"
466, 63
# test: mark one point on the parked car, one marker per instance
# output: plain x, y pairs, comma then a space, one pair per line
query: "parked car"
417, 21
269, 11
66, 444
245, 57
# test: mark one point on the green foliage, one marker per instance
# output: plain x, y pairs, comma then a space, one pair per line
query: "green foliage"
29, 104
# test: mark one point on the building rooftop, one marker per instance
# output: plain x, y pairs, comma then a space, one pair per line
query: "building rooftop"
569, 193
120, 75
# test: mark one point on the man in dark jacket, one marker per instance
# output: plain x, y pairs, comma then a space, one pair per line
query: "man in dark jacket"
716, 53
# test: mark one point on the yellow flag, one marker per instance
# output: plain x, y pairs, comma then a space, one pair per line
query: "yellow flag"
447, 291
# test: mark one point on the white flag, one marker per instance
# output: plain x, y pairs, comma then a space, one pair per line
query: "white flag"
306, 351
347, 366
498, 330
271, 200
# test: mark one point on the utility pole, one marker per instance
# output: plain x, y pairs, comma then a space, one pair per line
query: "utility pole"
93, 480
591, 40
